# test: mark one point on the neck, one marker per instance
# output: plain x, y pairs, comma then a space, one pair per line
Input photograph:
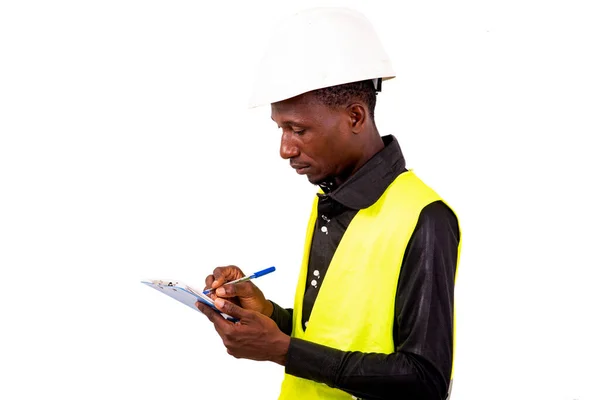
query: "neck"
372, 145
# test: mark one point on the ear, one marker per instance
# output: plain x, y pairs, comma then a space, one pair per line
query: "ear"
358, 115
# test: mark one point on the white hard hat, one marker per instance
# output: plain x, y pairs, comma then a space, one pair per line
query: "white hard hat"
318, 48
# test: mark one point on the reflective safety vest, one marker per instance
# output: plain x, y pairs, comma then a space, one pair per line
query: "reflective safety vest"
354, 310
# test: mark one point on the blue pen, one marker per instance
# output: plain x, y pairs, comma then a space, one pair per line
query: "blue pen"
246, 278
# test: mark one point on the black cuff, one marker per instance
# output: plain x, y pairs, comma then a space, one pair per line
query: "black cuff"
312, 361
283, 318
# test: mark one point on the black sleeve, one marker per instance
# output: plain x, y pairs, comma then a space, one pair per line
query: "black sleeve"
420, 368
283, 318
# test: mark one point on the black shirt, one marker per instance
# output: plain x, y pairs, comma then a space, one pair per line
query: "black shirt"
421, 365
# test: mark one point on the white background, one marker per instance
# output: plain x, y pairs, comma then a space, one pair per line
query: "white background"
127, 152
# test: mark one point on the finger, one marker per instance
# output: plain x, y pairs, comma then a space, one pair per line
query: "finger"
242, 289
232, 353
226, 274
208, 281
211, 314
221, 325
234, 310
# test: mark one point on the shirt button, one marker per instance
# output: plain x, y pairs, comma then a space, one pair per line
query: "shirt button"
314, 283
324, 229
316, 273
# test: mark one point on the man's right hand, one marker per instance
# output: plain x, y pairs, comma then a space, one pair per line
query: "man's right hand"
246, 294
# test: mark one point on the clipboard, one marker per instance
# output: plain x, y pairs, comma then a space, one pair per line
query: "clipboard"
185, 294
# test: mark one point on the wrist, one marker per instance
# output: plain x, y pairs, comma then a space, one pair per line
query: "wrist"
281, 348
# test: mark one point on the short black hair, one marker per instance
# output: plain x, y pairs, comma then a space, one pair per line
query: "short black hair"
342, 95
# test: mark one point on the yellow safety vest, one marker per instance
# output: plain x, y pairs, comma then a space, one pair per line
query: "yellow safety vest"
354, 310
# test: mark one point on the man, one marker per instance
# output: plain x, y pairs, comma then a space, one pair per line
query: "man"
373, 313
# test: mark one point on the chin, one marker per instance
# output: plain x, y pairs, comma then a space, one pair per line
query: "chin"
315, 180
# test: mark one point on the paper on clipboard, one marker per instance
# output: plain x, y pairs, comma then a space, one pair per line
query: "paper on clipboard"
184, 294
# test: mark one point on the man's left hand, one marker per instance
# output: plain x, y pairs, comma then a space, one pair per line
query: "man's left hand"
254, 336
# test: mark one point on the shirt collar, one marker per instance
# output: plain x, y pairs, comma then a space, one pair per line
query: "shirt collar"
365, 186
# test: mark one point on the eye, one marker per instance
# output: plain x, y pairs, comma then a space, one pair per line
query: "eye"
299, 131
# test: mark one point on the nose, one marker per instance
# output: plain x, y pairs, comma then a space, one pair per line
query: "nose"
288, 148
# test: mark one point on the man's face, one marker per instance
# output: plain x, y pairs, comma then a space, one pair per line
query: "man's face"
315, 137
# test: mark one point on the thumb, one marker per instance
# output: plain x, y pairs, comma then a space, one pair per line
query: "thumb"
229, 308
242, 289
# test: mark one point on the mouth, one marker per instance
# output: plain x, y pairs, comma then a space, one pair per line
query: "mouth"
300, 169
